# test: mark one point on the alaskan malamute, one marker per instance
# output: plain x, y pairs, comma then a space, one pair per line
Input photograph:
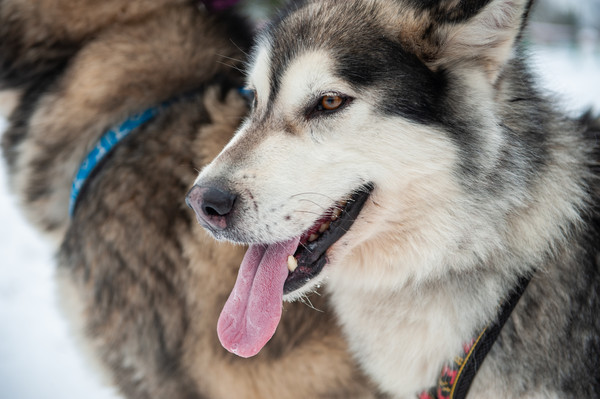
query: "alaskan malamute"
148, 282
400, 152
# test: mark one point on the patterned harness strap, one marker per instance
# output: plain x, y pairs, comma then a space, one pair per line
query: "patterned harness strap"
456, 378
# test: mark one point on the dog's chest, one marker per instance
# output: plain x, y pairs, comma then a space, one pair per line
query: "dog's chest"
401, 340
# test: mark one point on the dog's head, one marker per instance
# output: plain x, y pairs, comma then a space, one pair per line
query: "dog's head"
368, 119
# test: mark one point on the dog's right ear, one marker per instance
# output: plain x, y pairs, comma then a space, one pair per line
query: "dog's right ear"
476, 34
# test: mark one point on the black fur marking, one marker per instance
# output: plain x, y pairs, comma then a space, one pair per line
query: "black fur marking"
413, 92
414, 98
441, 13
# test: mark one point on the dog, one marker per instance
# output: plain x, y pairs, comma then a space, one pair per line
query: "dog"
144, 283
401, 154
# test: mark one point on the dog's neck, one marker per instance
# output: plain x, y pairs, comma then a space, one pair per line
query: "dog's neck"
104, 146
430, 321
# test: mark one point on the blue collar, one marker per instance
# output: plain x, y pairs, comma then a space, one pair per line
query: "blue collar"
114, 136
105, 146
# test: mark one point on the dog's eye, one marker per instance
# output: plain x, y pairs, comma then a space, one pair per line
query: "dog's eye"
331, 103
327, 104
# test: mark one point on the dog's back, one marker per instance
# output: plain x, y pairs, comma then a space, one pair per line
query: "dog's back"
150, 283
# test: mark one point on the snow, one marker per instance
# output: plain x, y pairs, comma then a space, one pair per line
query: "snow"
572, 74
38, 357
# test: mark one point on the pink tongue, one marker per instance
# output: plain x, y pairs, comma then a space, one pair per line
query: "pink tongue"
252, 312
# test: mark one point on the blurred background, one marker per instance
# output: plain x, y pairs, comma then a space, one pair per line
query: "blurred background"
38, 356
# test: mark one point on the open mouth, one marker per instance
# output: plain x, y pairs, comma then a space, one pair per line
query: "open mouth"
311, 256
253, 309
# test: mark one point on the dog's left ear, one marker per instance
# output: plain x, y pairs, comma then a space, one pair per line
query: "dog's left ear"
477, 34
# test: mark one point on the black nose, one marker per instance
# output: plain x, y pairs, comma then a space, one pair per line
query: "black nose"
212, 205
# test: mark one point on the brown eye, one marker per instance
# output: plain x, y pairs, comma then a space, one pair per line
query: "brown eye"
327, 104
332, 102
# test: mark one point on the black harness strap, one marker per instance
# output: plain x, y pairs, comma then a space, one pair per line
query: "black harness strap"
455, 381
485, 342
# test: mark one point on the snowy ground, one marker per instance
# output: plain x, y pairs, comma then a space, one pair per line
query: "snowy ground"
38, 359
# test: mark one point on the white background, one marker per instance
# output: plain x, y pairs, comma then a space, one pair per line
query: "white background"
38, 358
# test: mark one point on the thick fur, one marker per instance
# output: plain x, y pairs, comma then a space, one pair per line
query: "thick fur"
147, 281
477, 178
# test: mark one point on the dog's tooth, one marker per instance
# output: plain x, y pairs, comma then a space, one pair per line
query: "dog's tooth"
292, 263
324, 227
336, 213
313, 237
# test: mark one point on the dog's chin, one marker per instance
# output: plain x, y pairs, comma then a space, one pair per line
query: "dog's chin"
305, 290
316, 243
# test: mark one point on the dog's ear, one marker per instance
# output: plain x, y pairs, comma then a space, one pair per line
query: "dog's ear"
475, 33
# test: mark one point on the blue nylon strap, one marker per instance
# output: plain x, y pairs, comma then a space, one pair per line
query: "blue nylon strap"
113, 137
104, 146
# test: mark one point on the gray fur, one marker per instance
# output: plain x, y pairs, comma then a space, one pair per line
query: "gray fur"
523, 194
148, 284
